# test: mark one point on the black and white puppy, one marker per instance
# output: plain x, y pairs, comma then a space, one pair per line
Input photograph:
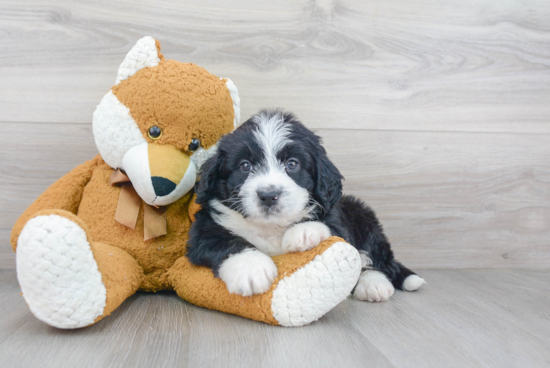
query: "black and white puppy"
270, 189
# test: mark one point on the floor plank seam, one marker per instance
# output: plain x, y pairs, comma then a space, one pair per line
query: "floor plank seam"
332, 129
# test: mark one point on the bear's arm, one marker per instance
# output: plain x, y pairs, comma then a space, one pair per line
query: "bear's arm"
64, 194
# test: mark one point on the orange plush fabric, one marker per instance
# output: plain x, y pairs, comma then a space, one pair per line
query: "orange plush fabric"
199, 286
184, 100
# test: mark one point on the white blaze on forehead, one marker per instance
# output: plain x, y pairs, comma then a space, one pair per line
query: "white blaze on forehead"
272, 135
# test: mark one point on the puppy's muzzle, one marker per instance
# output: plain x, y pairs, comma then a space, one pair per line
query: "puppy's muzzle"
269, 198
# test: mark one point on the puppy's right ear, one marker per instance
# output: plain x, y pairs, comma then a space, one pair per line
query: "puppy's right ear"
328, 188
210, 172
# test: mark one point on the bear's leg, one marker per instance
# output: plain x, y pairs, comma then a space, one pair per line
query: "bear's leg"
308, 285
67, 280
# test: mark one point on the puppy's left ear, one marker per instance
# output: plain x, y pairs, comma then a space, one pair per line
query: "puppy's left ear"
328, 187
210, 171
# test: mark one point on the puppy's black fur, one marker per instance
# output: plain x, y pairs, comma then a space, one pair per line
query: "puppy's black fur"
347, 217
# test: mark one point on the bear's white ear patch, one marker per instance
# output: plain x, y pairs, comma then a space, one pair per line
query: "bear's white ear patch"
236, 101
143, 54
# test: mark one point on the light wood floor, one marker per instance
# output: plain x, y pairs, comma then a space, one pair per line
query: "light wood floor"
462, 318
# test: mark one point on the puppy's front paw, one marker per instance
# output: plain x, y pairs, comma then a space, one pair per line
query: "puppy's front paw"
247, 273
304, 236
373, 286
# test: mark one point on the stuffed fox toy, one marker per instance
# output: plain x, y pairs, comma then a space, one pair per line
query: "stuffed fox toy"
119, 223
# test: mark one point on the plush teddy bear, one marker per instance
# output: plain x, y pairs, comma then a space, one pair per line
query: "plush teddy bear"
118, 223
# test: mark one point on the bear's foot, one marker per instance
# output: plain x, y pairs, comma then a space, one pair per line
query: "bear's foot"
307, 286
316, 288
58, 274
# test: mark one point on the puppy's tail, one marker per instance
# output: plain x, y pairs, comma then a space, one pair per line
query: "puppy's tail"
402, 278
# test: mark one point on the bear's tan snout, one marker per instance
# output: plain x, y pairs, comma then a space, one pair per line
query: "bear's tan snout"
167, 165
160, 173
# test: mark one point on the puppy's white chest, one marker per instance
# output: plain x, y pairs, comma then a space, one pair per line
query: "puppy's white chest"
271, 239
267, 238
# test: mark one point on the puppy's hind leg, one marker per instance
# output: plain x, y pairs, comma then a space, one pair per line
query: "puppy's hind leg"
406, 279
373, 285
377, 284
381, 273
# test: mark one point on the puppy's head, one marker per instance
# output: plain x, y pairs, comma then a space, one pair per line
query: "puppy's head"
271, 169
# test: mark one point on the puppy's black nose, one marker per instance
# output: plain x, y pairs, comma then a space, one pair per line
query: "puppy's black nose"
162, 186
269, 198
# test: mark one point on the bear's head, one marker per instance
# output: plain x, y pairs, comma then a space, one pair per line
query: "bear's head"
162, 120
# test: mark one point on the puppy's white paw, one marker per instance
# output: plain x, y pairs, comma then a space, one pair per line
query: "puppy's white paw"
247, 273
304, 236
373, 286
413, 282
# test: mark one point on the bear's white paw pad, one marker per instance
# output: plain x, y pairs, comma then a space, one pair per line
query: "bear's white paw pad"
373, 286
247, 273
317, 287
304, 236
58, 273
413, 282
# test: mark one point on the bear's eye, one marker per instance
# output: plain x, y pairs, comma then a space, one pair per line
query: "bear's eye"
194, 145
154, 132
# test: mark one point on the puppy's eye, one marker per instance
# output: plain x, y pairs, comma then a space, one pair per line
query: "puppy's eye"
291, 165
154, 132
194, 145
246, 166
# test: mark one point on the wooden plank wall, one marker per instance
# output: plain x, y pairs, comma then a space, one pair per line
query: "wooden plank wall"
437, 113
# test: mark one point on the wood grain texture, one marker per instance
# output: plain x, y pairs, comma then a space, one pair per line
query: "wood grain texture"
437, 114
33, 158
451, 200
446, 200
421, 65
462, 318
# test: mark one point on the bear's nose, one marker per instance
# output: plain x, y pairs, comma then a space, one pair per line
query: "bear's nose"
162, 186
269, 198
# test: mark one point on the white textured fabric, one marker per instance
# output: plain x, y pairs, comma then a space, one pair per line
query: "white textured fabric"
234, 92
143, 54
115, 131
316, 288
58, 273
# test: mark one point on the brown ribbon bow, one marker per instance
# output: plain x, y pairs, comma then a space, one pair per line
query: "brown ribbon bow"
127, 210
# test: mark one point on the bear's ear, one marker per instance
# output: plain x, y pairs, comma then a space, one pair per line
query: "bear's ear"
234, 92
146, 52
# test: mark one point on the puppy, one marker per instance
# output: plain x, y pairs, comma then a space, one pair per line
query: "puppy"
270, 189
